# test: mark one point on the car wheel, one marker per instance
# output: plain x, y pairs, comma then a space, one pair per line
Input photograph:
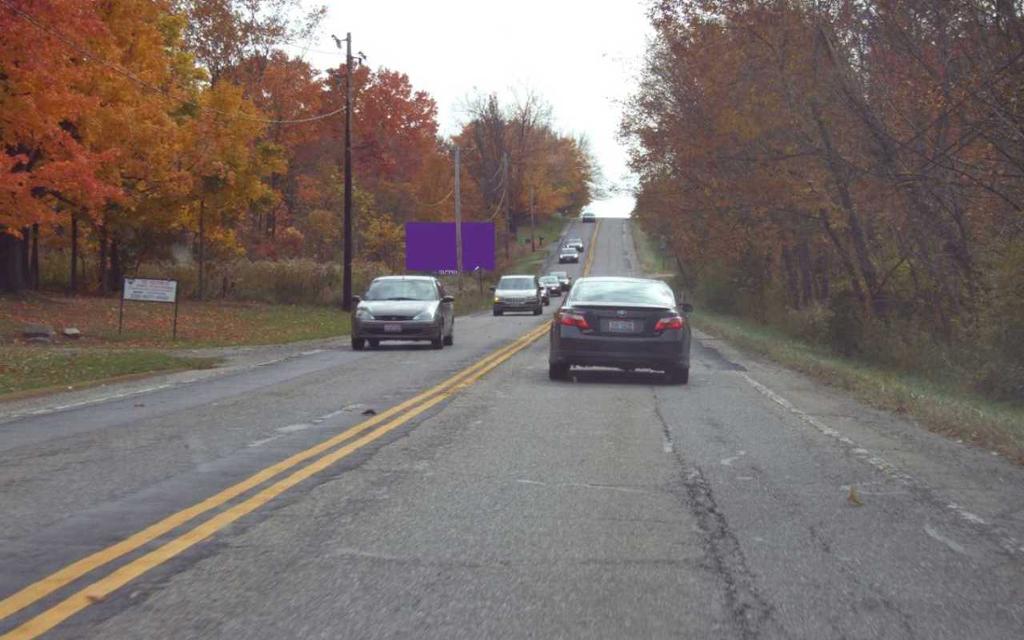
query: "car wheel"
678, 375
374, 343
437, 343
358, 344
558, 371
497, 312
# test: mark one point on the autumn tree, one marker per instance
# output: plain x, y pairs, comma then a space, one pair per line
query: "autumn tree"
856, 157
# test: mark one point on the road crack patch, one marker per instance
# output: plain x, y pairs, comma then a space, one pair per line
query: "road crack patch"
748, 610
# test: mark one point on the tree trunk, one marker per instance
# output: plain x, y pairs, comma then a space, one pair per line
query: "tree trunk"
200, 288
803, 261
12, 278
101, 272
34, 263
73, 276
855, 228
844, 257
792, 287
26, 246
116, 274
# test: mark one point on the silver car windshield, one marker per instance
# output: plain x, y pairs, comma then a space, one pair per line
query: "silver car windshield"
516, 283
402, 290
549, 280
623, 292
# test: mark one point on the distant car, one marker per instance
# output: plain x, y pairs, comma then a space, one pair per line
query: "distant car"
625, 323
552, 284
588, 217
403, 308
577, 243
518, 293
568, 254
563, 278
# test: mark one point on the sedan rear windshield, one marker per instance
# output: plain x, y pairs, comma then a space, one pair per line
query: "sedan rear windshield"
548, 280
402, 290
516, 283
623, 292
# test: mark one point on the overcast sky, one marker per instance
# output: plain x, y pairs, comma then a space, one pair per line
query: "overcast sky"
580, 56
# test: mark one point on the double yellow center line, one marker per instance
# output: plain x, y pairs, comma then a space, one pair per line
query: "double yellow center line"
329, 451
333, 450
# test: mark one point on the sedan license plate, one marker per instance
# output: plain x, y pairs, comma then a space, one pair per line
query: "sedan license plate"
622, 326
392, 328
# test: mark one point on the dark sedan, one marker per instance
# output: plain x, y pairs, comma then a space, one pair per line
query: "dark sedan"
624, 323
404, 308
552, 284
563, 278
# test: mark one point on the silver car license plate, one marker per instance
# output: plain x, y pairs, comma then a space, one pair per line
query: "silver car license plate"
392, 328
622, 326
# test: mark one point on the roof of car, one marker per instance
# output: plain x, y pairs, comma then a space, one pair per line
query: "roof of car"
619, 279
518, 275
405, 277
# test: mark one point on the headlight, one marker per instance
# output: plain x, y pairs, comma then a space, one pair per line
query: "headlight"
497, 299
425, 315
363, 314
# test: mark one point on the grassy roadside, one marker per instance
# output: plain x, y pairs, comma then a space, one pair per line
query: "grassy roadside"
29, 367
145, 346
940, 407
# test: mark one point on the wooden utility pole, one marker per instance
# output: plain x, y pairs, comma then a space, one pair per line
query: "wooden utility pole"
458, 216
346, 278
505, 197
533, 229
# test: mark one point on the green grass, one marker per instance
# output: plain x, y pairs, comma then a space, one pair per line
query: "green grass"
148, 325
31, 367
942, 407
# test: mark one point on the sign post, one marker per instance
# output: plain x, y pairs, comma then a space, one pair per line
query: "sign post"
149, 290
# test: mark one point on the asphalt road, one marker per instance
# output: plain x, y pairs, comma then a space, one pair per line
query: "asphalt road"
501, 504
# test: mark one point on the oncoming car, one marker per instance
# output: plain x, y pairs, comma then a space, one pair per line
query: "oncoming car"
624, 323
518, 293
568, 254
588, 216
403, 308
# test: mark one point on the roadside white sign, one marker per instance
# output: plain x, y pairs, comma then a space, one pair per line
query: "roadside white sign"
146, 290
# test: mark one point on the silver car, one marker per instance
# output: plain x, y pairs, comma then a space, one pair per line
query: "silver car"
518, 293
403, 308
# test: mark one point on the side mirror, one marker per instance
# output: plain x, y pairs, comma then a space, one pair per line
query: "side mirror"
448, 299
686, 307
356, 300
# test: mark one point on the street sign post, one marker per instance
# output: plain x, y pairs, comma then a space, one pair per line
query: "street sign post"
149, 290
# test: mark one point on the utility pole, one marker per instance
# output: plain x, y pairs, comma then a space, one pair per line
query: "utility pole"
346, 274
458, 216
533, 243
505, 196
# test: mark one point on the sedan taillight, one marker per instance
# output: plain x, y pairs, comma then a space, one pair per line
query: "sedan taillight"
673, 322
570, 319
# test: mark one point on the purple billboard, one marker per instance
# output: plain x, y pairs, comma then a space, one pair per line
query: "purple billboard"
430, 246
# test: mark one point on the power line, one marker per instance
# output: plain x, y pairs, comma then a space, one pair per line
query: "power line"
87, 53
